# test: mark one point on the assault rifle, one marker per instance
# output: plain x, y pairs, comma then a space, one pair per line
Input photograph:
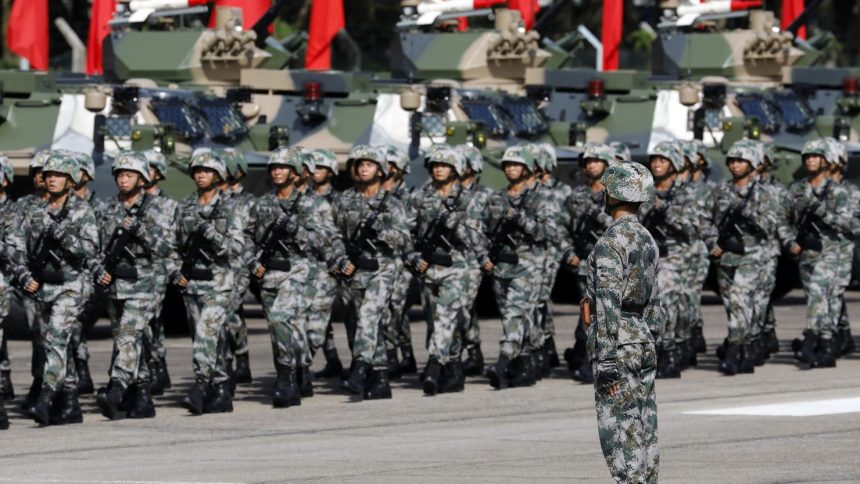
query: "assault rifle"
730, 234
809, 233
363, 235
502, 238
118, 247
438, 235
194, 251
47, 252
273, 238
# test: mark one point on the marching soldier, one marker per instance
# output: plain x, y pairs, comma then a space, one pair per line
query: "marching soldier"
822, 216
623, 319
61, 236
208, 235
448, 229
702, 195
373, 226
587, 223
133, 243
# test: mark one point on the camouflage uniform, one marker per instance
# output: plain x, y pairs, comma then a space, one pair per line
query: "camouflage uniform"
448, 230
822, 217
743, 217
588, 221
672, 223
210, 282
521, 226
370, 287
471, 330
59, 297
12, 250
702, 197
622, 289
130, 294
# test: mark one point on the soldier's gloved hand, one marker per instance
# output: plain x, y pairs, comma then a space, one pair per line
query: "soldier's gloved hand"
56, 231
207, 230
131, 224
607, 375
819, 210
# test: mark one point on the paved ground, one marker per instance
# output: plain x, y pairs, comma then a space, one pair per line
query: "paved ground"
543, 433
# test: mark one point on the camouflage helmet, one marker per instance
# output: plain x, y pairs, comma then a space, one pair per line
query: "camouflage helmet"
769, 154
292, 157
519, 154
699, 146
688, 149
747, 150
817, 147
837, 151
671, 151
235, 161
206, 158
156, 160
376, 154
472, 157
6, 165
39, 159
450, 156
550, 154
622, 151
326, 158
59, 162
598, 151
628, 182
85, 162
543, 160
132, 161
397, 157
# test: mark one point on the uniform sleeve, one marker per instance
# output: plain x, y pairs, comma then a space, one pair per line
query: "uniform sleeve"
472, 232
392, 227
608, 274
81, 237
840, 213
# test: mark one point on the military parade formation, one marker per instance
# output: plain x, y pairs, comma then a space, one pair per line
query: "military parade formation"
304, 248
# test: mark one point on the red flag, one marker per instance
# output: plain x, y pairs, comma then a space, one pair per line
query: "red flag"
326, 21
612, 21
99, 29
252, 10
527, 8
791, 9
27, 33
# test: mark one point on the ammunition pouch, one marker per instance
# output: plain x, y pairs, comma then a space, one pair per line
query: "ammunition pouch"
279, 265
125, 271
443, 260
732, 244
508, 257
201, 274
366, 264
662, 248
809, 241
52, 277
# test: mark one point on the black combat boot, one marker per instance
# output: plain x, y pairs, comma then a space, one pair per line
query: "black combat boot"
333, 366
110, 401
220, 400
731, 359
379, 388
748, 358
825, 356
699, 340
847, 340
584, 374
771, 342
155, 386
551, 352
393, 364
194, 401
305, 381
681, 356
721, 349
69, 408
7, 392
539, 364
408, 365
4, 417
453, 378
432, 377
32, 395
498, 372
575, 356
760, 351
85, 380
667, 367
242, 373
805, 349
522, 371
474, 364
164, 376
357, 377
141, 405
41, 411
286, 392
692, 355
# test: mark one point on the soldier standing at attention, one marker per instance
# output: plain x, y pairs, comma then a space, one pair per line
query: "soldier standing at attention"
61, 236
587, 223
208, 236
166, 213
133, 243
373, 226
822, 215
624, 320
326, 288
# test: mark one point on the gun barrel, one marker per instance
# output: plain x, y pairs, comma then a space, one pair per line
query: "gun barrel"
136, 5
428, 12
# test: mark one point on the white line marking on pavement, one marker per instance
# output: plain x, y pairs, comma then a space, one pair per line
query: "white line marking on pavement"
794, 409
16, 479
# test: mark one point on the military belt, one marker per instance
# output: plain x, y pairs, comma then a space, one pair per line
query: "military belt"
279, 265
201, 274
126, 271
